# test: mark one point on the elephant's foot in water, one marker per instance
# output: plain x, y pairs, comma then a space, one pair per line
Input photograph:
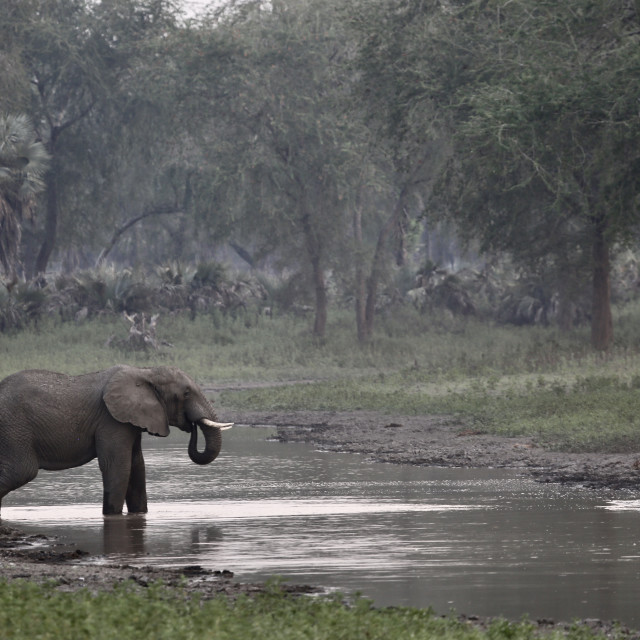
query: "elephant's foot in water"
136, 501
136, 497
109, 507
116, 492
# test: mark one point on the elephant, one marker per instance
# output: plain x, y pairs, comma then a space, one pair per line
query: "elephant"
55, 421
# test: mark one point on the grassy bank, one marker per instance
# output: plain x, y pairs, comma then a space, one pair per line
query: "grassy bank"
29, 611
597, 414
218, 347
499, 379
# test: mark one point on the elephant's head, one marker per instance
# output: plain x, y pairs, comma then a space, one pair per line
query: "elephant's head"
153, 399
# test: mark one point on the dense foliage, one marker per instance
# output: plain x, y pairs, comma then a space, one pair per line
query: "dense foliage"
329, 142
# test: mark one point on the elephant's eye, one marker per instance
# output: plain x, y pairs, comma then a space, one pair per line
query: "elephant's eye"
187, 393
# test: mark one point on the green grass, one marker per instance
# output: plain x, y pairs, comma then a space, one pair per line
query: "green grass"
506, 380
598, 415
251, 347
33, 612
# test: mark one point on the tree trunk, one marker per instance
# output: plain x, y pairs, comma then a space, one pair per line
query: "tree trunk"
567, 277
51, 220
314, 248
360, 282
320, 322
601, 319
377, 266
565, 312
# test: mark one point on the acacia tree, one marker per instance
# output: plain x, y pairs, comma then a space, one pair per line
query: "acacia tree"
403, 93
282, 140
550, 149
79, 56
14, 81
310, 180
541, 102
140, 176
65, 59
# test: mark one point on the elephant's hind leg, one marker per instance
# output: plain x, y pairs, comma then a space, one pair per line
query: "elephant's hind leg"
15, 473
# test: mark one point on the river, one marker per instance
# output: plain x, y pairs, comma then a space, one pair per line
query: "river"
484, 542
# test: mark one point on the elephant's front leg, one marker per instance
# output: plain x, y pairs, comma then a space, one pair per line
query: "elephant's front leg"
136, 496
115, 447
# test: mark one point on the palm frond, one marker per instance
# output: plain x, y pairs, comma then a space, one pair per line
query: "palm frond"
23, 164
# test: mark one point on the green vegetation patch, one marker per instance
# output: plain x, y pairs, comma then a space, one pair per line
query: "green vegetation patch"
247, 346
599, 414
32, 611
503, 380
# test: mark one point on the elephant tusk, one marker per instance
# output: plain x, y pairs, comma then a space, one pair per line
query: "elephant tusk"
218, 425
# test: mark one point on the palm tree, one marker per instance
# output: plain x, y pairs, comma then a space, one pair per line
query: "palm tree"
23, 163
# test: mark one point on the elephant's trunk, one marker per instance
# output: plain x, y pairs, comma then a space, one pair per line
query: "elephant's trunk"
212, 440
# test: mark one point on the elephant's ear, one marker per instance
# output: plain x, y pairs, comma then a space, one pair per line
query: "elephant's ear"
130, 397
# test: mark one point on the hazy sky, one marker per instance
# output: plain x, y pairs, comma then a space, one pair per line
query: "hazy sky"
194, 6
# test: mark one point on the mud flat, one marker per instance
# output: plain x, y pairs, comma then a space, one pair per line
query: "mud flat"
42, 559
441, 441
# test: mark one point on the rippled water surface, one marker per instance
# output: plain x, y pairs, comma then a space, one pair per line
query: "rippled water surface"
479, 541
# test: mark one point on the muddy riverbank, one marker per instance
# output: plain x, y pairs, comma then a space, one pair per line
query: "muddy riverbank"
441, 441
42, 559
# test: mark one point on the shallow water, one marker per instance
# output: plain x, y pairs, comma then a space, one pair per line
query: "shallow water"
482, 542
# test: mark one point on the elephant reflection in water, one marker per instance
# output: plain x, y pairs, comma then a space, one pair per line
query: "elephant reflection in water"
204, 536
125, 536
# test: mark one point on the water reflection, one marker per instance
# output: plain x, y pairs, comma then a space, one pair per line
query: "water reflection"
481, 541
622, 505
124, 535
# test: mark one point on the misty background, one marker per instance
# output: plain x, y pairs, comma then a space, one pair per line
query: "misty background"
479, 157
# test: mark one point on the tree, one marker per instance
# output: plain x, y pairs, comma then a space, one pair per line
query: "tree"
14, 78
541, 104
549, 151
65, 58
79, 56
147, 136
404, 111
282, 142
23, 162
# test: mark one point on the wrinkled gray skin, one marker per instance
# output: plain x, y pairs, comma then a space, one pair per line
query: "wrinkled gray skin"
53, 421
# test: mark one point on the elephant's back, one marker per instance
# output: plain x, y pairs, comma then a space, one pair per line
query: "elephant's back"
33, 376
36, 381
53, 413
45, 379
48, 391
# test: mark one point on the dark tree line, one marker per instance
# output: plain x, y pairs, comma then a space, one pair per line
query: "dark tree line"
317, 137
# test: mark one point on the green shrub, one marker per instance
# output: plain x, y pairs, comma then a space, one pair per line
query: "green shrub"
210, 274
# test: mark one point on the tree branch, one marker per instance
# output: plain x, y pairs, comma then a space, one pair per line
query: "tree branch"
117, 234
